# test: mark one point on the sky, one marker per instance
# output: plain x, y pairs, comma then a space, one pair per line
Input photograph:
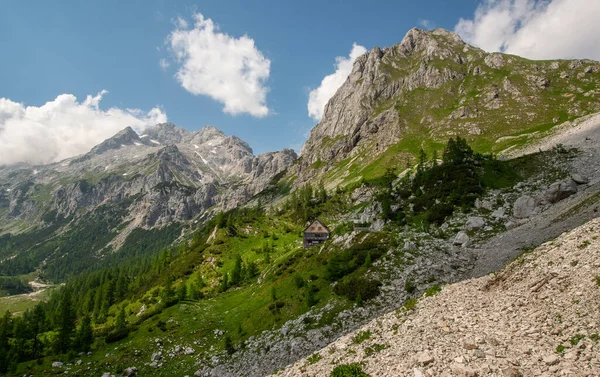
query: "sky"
73, 73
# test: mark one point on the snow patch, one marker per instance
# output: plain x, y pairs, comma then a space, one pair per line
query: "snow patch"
137, 144
195, 146
144, 135
203, 160
154, 141
213, 151
124, 173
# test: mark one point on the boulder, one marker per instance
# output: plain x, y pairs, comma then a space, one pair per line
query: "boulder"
560, 190
57, 364
131, 371
526, 206
580, 179
474, 222
410, 246
499, 214
156, 356
461, 239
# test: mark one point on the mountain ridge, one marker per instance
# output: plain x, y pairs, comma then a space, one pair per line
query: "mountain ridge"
432, 86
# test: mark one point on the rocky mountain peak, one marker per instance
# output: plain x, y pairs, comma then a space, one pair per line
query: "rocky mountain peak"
431, 86
166, 133
127, 136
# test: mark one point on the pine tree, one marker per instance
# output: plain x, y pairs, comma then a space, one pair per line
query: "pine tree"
85, 335
121, 287
21, 335
368, 260
224, 282
236, 273
251, 270
121, 323
181, 292
37, 324
66, 322
5, 334
228, 345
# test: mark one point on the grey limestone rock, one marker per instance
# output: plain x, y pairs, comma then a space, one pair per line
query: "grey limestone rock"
526, 206
560, 190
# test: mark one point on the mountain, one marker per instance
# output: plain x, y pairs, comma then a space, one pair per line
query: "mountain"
432, 86
435, 163
166, 176
535, 317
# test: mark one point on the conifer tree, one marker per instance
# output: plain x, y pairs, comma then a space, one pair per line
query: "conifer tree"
5, 334
66, 322
236, 273
85, 335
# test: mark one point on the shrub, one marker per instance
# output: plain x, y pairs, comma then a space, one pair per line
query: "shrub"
410, 304
348, 370
356, 287
347, 261
410, 286
361, 337
433, 290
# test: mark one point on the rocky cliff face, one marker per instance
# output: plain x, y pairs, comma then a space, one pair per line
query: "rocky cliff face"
167, 174
432, 86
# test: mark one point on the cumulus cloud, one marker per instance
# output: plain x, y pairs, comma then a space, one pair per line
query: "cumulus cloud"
318, 98
63, 127
228, 69
536, 29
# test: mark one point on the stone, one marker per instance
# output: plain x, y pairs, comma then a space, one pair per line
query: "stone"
418, 373
551, 359
424, 358
57, 364
499, 214
580, 179
410, 246
461, 239
511, 372
474, 222
526, 206
468, 345
463, 370
130, 371
188, 351
157, 356
560, 190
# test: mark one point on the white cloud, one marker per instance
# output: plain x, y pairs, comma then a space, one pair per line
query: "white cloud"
63, 127
319, 97
228, 69
427, 24
536, 29
164, 64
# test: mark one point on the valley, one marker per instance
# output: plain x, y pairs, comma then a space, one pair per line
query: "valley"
180, 253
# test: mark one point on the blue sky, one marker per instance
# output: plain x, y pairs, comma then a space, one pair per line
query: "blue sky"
83, 47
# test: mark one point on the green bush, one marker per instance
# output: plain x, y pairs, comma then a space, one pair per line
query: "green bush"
347, 261
355, 288
348, 370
